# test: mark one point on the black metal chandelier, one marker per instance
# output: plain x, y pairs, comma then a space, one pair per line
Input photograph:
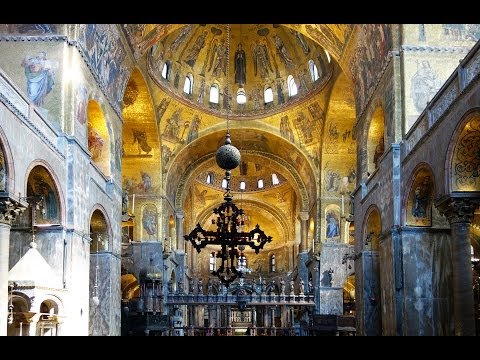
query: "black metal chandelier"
229, 233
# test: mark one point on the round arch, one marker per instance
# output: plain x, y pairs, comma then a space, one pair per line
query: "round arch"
304, 187
41, 180
462, 162
99, 229
372, 228
418, 196
7, 172
130, 287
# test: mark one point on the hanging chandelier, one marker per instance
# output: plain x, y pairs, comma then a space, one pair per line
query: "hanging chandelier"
228, 218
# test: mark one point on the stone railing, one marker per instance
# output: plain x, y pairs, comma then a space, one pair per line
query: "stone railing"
231, 299
467, 71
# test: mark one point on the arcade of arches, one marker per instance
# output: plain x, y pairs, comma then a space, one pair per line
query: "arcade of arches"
359, 157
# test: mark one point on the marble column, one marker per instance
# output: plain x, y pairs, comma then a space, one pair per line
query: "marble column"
10, 207
179, 217
272, 310
291, 260
4, 251
254, 316
303, 217
459, 211
303, 253
210, 314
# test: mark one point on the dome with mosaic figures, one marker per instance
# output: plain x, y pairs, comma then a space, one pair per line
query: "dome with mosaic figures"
268, 67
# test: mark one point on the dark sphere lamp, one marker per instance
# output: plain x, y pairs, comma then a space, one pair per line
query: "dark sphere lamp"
228, 156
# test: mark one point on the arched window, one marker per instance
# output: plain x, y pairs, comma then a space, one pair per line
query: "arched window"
210, 178
188, 85
313, 70
272, 263
268, 95
212, 262
275, 179
224, 183
241, 96
260, 183
214, 94
166, 69
242, 185
292, 87
328, 56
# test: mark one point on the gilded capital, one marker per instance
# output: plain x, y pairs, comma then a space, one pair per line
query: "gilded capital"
457, 209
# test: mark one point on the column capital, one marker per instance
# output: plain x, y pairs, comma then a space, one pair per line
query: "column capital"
458, 208
10, 207
303, 215
179, 214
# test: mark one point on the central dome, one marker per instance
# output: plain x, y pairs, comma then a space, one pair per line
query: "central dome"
271, 68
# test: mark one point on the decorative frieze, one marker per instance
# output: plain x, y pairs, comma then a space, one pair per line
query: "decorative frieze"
435, 49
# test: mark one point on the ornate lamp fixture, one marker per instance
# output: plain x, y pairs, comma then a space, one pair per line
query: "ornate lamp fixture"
229, 218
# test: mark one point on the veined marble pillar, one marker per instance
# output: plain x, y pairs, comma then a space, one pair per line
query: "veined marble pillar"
303, 216
179, 217
4, 251
272, 311
180, 270
10, 207
254, 316
459, 212
303, 253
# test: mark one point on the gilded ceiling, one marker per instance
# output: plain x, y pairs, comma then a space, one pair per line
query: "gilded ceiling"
303, 139
252, 58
